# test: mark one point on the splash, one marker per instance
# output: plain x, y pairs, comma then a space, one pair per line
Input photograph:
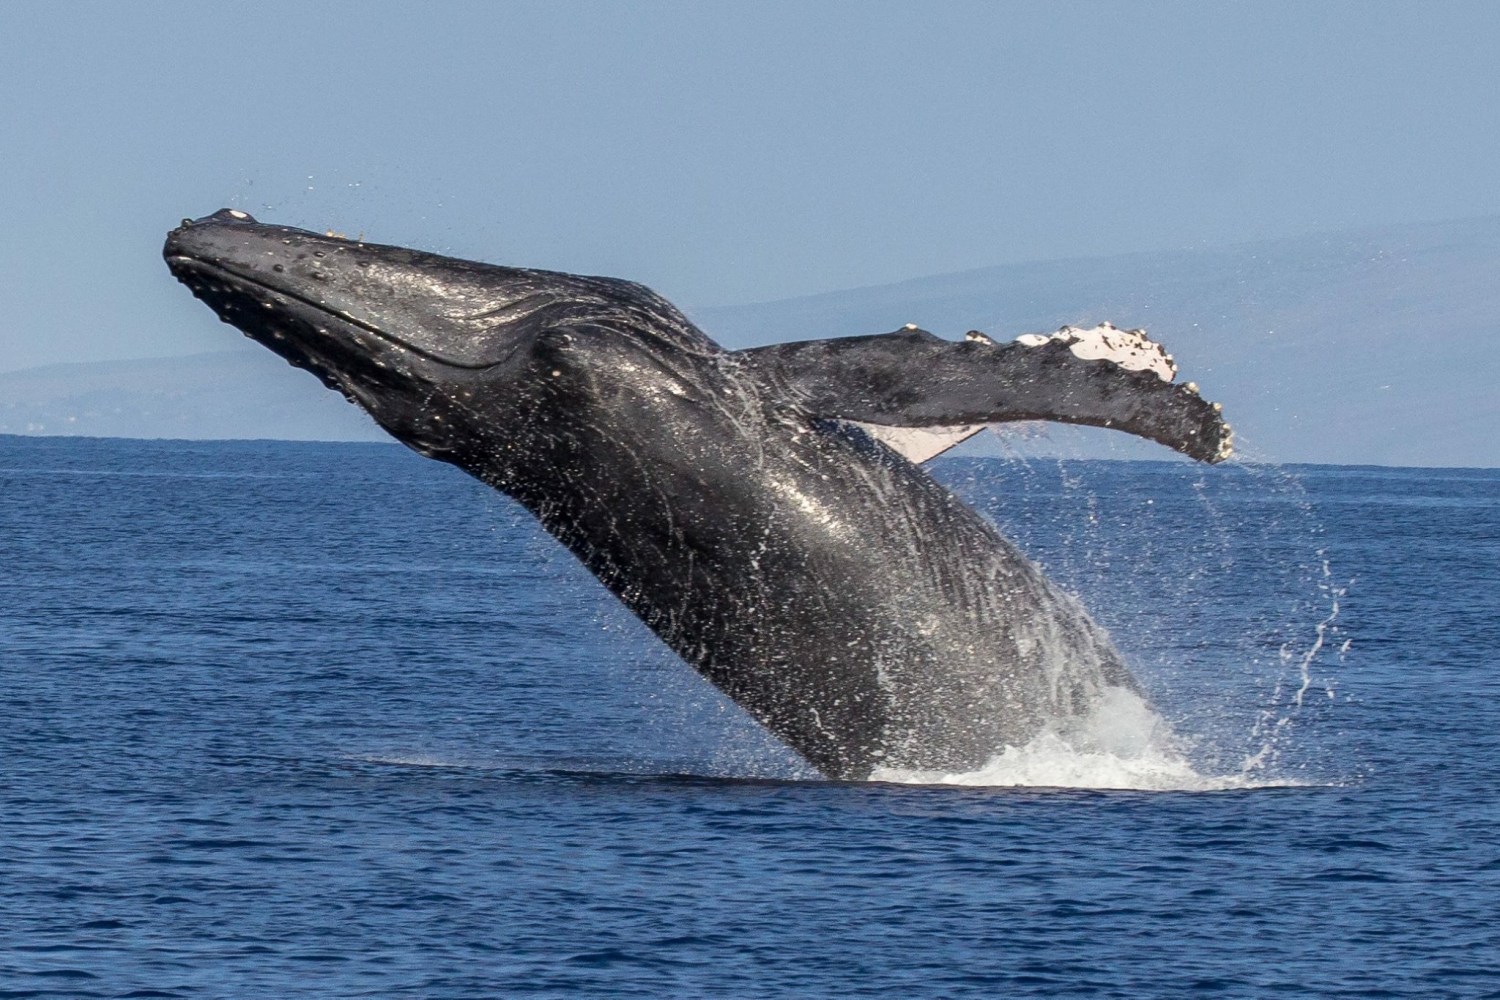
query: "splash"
1122, 745
1219, 589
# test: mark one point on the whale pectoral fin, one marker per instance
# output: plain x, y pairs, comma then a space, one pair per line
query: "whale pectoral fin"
1102, 377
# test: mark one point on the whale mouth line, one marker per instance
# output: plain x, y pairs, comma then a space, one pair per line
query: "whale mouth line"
221, 270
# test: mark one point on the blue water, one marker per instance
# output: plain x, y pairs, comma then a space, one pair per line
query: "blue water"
333, 721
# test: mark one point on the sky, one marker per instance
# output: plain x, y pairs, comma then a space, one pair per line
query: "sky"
722, 153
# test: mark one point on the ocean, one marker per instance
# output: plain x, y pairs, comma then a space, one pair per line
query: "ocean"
330, 720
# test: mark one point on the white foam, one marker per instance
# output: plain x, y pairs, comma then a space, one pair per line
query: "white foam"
1123, 745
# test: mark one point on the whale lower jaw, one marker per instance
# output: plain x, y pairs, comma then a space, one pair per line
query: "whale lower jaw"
213, 281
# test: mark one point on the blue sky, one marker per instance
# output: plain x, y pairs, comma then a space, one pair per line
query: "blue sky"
722, 153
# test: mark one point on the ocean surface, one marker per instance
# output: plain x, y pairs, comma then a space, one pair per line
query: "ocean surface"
316, 720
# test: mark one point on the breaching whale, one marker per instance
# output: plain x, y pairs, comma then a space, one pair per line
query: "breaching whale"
762, 511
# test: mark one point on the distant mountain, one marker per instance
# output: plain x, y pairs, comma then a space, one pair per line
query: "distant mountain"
1375, 347
228, 394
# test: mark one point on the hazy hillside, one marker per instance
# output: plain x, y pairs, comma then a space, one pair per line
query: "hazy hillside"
231, 394
1371, 347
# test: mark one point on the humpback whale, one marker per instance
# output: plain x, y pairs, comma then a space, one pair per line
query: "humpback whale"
763, 511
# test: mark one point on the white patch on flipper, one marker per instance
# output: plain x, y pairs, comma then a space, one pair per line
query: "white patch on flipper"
1129, 349
919, 444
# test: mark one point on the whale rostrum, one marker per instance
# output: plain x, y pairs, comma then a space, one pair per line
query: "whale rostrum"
763, 511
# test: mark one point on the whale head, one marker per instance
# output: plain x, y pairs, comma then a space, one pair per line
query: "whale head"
397, 331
